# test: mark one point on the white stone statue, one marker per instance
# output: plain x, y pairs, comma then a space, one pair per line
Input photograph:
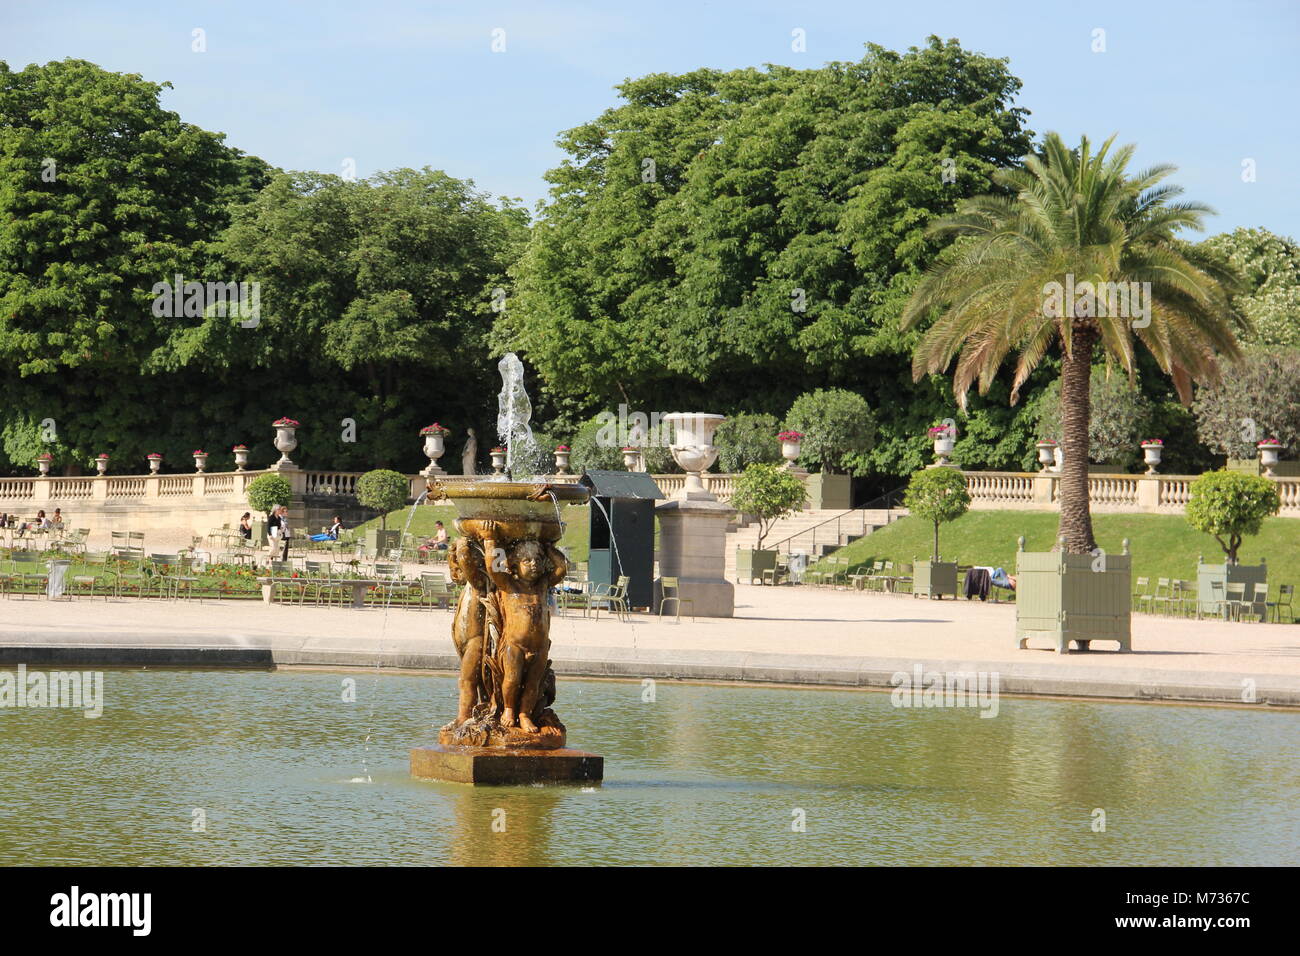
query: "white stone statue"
469, 456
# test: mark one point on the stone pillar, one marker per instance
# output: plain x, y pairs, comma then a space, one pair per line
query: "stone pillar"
692, 548
41, 489
1148, 492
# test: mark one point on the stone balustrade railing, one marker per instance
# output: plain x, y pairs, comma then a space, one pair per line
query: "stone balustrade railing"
1155, 494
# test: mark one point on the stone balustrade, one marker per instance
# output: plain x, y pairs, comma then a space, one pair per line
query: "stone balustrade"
1151, 494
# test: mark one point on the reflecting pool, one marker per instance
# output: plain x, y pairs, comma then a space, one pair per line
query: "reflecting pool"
260, 767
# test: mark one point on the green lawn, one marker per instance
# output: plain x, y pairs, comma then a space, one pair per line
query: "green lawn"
576, 520
1162, 545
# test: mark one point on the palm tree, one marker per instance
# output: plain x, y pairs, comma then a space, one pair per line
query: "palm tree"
1074, 217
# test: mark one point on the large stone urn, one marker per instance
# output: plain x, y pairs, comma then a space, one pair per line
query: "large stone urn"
498, 460
155, 463
562, 459
43, 463
241, 457
1046, 451
791, 448
1268, 457
286, 440
200, 461
693, 523
101, 464
1151, 452
434, 448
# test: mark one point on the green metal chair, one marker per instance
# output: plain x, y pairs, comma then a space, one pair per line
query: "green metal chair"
1236, 602
613, 598
671, 584
434, 589
778, 574
26, 578
1285, 594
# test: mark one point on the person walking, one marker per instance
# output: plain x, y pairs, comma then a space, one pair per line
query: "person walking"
277, 534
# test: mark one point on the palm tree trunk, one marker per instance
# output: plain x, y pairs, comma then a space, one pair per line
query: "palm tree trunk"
1076, 374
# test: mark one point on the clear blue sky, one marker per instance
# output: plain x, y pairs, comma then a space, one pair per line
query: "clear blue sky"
305, 85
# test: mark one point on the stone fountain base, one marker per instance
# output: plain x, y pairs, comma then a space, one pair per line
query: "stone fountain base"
549, 735
498, 765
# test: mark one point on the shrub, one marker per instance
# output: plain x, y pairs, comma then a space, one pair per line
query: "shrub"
597, 446
1227, 503
745, 440
937, 495
267, 491
1257, 400
1120, 417
838, 429
384, 491
768, 493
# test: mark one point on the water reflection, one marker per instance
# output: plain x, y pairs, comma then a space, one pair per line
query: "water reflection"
703, 774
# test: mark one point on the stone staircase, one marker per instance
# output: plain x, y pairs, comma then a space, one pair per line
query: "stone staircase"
814, 531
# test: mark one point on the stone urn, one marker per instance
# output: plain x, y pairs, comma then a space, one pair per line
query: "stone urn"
1058, 460
43, 463
155, 462
790, 450
562, 460
286, 440
200, 461
943, 448
693, 448
498, 461
631, 457
101, 464
241, 457
1046, 451
1268, 456
1151, 452
434, 448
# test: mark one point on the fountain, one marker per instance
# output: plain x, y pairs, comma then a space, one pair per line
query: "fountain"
507, 561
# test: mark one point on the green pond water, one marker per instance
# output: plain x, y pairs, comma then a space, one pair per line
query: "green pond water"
278, 763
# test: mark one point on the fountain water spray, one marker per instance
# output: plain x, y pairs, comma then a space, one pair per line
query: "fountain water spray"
514, 411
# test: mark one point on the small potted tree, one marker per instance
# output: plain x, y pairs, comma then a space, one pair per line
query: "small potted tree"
1152, 448
1229, 506
765, 493
385, 491
264, 493
937, 495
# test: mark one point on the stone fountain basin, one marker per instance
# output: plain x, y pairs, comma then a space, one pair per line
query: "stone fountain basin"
523, 509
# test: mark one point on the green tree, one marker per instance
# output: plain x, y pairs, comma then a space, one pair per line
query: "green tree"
384, 491
747, 439
721, 236
838, 429
1261, 399
1270, 295
267, 491
1231, 505
767, 493
1076, 217
937, 495
104, 195
1121, 416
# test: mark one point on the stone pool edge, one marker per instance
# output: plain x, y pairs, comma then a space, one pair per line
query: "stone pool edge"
1029, 679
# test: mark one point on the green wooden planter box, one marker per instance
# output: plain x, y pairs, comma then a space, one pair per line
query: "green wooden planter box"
829, 491
1247, 574
380, 541
934, 578
752, 562
1073, 597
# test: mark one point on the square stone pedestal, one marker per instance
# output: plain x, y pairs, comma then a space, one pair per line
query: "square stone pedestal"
494, 765
693, 549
